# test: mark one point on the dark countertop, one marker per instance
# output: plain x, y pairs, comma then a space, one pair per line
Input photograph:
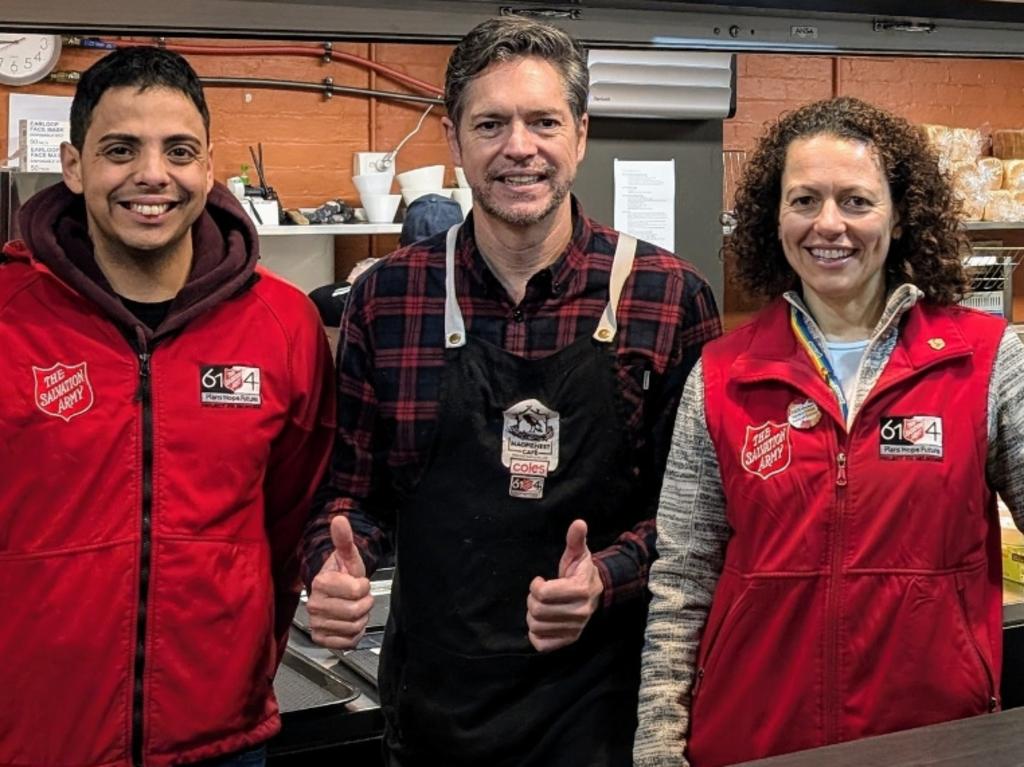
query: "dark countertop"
990, 740
326, 706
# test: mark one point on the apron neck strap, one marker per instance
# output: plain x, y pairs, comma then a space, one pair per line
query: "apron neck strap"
622, 266
455, 326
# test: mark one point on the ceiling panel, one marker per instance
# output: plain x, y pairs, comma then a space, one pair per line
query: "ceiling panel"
954, 27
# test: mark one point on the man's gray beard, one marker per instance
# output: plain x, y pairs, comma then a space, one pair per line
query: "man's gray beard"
559, 193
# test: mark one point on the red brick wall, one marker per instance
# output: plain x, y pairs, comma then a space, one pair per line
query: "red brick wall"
961, 92
768, 85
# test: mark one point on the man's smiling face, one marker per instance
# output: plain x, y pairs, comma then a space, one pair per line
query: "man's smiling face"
517, 141
144, 170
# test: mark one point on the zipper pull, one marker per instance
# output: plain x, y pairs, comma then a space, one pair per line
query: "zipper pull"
696, 684
143, 376
841, 474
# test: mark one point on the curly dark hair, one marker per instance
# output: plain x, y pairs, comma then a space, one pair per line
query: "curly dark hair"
928, 250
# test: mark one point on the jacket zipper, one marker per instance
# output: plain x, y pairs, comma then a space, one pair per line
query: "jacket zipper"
832, 616
144, 396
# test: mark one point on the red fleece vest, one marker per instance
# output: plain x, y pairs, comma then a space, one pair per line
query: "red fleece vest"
861, 592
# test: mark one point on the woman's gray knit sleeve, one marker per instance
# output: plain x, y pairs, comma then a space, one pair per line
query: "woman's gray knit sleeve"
1006, 425
692, 534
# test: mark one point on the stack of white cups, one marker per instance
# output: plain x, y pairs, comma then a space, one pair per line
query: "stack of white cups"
420, 181
375, 193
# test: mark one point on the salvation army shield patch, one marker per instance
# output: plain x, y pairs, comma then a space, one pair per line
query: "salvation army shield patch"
766, 449
63, 391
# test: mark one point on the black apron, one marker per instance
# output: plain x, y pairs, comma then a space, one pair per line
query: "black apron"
522, 448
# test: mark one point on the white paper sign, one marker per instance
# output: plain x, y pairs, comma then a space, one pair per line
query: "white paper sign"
645, 200
40, 142
28, 106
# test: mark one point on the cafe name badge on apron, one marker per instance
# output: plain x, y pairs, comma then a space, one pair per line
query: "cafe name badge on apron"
529, 447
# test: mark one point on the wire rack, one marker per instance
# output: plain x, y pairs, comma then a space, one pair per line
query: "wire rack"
990, 270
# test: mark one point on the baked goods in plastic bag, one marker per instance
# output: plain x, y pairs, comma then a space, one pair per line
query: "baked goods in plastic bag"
1013, 174
1004, 205
971, 181
954, 145
1008, 144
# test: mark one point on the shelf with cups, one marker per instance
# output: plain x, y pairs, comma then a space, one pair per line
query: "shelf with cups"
380, 205
304, 255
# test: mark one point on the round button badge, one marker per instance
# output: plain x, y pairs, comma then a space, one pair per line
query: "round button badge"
803, 414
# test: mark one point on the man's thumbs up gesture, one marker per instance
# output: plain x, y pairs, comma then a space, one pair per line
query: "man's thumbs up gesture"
558, 610
340, 600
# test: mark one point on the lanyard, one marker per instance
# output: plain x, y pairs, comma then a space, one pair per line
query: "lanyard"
819, 358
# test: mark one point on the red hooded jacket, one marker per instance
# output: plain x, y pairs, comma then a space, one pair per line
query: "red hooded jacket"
153, 489
861, 592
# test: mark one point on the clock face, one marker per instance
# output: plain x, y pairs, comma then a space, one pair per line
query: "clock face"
27, 58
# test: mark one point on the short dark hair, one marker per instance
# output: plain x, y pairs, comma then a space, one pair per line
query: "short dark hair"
927, 252
509, 37
141, 67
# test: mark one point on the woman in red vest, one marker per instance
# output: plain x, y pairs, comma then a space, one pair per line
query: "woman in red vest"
828, 534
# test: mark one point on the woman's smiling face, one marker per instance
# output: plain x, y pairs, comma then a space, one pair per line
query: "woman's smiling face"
836, 218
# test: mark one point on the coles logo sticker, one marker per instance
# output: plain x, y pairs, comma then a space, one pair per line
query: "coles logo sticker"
63, 391
766, 449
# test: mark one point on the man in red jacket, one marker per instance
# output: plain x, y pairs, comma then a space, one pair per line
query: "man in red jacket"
166, 408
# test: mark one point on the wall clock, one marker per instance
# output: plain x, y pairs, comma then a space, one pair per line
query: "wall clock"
27, 58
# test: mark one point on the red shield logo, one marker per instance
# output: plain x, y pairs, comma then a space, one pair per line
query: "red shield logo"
766, 449
63, 391
233, 378
913, 429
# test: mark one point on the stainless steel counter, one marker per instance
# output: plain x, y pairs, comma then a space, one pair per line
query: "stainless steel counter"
327, 712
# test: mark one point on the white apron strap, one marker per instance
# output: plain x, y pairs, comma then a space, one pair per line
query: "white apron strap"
622, 266
454, 325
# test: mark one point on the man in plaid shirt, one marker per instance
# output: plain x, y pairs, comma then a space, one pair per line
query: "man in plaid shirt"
506, 398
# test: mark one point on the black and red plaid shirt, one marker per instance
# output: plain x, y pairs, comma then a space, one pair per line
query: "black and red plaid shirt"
392, 354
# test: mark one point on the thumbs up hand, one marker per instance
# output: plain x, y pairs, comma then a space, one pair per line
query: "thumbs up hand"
558, 610
340, 600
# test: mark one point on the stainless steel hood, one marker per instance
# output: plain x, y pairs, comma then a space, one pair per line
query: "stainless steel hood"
951, 27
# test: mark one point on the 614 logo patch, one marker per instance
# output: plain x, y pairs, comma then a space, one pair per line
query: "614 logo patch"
229, 385
914, 436
526, 487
